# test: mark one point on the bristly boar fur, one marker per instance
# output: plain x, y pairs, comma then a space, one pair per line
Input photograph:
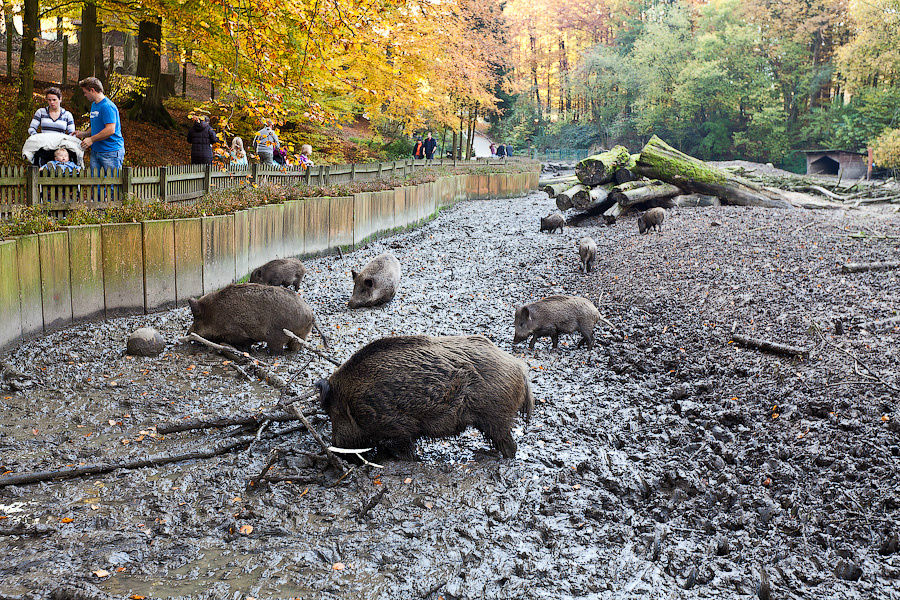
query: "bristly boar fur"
242, 314
396, 390
377, 283
554, 315
651, 219
285, 272
587, 250
552, 222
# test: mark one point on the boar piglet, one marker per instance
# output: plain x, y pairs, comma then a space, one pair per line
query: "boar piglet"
587, 250
552, 222
376, 283
651, 219
285, 272
554, 315
246, 313
396, 390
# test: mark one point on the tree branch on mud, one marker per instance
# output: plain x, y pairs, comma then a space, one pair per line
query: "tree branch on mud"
768, 346
372, 503
872, 266
873, 373
307, 346
241, 358
249, 420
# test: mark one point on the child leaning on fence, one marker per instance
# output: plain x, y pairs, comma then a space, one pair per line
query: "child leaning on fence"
61, 160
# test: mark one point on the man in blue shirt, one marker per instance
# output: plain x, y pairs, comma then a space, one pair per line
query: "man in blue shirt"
105, 140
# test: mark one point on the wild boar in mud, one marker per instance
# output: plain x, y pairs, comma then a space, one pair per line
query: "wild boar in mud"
554, 315
285, 272
552, 222
587, 250
246, 313
651, 219
396, 390
376, 283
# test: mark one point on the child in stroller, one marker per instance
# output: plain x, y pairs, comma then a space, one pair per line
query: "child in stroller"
40, 148
62, 159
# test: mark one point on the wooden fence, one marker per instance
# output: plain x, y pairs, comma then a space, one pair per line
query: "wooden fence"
84, 272
60, 192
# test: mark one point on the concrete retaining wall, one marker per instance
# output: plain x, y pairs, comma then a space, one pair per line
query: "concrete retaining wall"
94, 271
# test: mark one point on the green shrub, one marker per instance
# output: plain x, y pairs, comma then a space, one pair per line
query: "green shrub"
887, 149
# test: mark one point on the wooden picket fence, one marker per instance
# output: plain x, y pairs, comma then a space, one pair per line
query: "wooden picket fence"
60, 192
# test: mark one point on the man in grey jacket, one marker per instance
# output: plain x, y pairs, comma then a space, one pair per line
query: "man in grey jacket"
265, 142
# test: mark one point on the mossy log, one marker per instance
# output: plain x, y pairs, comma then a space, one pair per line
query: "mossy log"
565, 199
601, 168
658, 160
644, 192
554, 189
589, 198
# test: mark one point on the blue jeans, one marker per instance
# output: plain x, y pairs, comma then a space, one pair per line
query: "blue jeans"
108, 161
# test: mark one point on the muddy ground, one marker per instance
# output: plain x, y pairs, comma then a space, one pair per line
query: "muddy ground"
666, 463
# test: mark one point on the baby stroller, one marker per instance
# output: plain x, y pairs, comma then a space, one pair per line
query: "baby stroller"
39, 148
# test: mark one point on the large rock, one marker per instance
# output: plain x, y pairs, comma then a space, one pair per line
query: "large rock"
146, 341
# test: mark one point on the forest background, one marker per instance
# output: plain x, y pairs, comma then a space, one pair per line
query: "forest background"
719, 79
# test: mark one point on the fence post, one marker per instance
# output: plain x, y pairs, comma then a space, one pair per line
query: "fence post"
352, 172
380, 169
127, 186
254, 173
31, 186
207, 180
326, 178
163, 184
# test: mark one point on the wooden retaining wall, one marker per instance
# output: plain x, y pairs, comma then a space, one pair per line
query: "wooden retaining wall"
50, 280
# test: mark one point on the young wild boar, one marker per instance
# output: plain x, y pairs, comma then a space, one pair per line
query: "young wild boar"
554, 315
587, 250
653, 218
396, 390
552, 222
246, 313
285, 272
376, 283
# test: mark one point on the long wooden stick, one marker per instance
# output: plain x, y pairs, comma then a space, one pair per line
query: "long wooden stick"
873, 266
255, 420
768, 346
306, 345
241, 358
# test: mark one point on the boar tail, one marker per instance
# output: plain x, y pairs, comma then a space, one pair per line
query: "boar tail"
319, 331
528, 407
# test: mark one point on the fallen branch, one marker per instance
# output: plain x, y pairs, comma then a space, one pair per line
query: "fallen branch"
241, 358
858, 362
312, 349
882, 325
29, 530
873, 266
768, 346
333, 460
254, 420
153, 461
273, 458
372, 503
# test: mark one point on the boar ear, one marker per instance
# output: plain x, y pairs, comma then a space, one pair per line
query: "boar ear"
353, 274
324, 389
195, 307
369, 282
524, 312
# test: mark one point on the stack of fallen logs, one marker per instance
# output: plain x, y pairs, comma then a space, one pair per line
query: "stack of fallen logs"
614, 182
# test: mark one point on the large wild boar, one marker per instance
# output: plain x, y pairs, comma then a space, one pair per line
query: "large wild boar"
376, 283
587, 250
246, 313
554, 315
552, 222
651, 219
285, 272
396, 390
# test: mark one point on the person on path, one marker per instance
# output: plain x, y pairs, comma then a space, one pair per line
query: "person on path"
105, 139
430, 145
265, 142
61, 160
509, 151
201, 137
238, 154
52, 117
418, 149
305, 160
501, 151
493, 148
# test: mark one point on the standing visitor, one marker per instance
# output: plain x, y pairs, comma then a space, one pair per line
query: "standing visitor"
105, 139
52, 117
265, 142
508, 151
493, 149
238, 154
418, 149
429, 146
501, 151
201, 137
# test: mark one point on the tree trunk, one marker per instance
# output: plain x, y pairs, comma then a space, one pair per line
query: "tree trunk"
88, 45
660, 161
453, 146
591, 197
99, 65
629, 194
601, 168
10, 35
129, 62
566, 197
148, 107
25, 100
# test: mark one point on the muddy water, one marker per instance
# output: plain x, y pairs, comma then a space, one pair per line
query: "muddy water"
664, 463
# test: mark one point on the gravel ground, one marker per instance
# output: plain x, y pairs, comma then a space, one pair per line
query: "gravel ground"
666, 463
